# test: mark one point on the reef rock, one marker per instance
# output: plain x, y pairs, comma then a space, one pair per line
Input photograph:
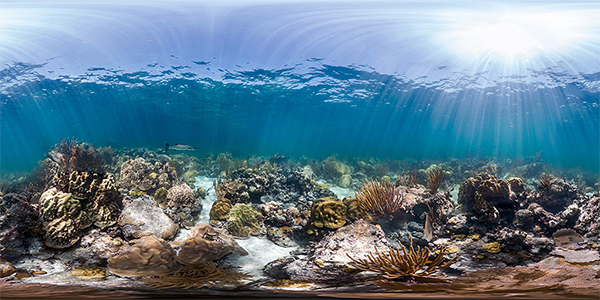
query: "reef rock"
142, 216
486, 198
6, 268
18, 218
555, 197
267, 183
328, 259
137, 174
149, 256
182, 205
588, 222
541, 221
95, 248
205, 244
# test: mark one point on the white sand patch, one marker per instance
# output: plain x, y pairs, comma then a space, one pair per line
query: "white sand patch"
341, 192
211, 196
261, 251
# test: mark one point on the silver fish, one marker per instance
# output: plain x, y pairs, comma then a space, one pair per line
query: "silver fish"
178, 147
428, 230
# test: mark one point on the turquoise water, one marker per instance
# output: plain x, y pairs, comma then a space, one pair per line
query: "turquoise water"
382, 79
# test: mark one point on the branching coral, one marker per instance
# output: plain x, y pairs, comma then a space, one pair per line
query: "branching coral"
411, 263
436, 175
379, 198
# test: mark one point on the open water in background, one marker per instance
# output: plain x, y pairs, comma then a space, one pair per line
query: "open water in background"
379, 79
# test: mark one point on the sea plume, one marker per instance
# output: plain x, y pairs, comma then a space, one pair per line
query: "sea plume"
411, 263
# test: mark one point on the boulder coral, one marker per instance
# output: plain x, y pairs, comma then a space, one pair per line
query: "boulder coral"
182, 205
88, 199
205, 244
242, 220
220, 209
152, 256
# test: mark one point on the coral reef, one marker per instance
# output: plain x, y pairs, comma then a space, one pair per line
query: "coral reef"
18, 218
142, 216
149, 256
96, 247
182, 205
268, 183
569, 244
71, 155
146, 177
329, 212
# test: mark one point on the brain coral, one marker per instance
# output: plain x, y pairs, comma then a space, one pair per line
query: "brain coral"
85, 200
328, 212
220, 209
242, 220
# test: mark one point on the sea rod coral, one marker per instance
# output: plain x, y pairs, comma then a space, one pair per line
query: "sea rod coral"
411, 263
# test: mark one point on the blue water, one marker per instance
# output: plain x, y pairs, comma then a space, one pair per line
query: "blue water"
377, 79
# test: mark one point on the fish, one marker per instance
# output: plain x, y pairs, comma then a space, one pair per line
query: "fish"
178, 147
428, 228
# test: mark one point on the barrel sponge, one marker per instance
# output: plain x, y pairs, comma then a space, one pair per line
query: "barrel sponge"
328, 212
149, 256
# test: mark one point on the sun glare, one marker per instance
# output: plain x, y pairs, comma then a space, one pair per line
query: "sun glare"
512, 35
